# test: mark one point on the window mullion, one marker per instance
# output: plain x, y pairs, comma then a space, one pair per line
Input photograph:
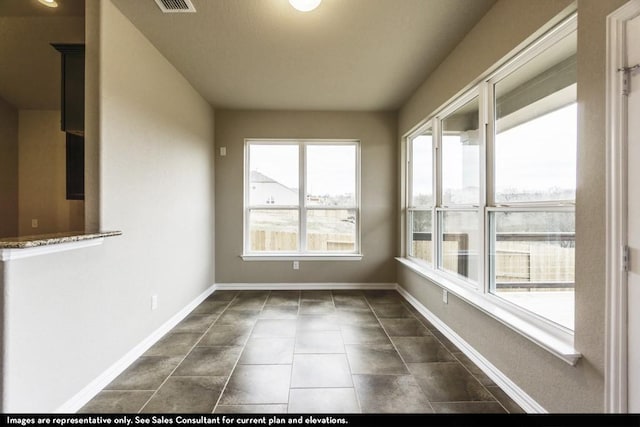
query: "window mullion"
485, 186
489, 162
410, 204
437, 186
246, 233
302, 226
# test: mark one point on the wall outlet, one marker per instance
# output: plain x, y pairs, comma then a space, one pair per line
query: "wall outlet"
445, 296
154, 302
223, 151
296, 265
34, 223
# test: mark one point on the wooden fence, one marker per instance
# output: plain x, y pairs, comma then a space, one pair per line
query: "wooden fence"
520, 259
283, 241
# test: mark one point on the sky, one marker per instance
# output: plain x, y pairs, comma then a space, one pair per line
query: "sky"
537, 155
534, 156
330, 168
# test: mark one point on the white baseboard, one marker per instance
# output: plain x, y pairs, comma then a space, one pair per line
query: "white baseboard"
94, 387
526, 402
301, 286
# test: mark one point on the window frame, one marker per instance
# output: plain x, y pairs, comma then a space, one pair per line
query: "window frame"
552, 336
302, 208
411, 209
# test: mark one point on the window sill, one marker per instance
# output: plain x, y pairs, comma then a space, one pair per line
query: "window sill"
301, 257
555, 339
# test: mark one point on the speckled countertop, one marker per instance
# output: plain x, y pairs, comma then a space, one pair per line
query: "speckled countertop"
24, 242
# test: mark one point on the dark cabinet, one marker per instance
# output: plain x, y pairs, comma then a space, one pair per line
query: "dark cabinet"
75, 167
72, 108
72, 115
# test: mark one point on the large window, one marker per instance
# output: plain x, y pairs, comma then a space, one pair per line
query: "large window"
532, 220
492, 176
302, 198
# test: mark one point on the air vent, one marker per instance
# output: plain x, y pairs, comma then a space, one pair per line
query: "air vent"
175, 6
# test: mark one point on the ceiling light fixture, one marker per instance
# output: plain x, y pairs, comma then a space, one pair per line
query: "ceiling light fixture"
305, 5
49, 3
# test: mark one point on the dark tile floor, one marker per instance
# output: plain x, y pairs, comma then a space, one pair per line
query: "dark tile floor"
342, 351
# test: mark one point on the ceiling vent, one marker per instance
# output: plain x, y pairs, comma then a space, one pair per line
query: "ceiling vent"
175, 6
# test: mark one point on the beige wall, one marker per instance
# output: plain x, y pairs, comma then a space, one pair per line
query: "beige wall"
507, 24
555, 385
42, 176
8, 170
377, 135
591, 184
84, 309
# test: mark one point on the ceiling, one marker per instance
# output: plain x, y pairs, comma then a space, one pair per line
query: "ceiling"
358, 55
29, 65
34, 8
364, 55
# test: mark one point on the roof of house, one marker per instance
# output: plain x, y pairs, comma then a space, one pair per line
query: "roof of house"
260, 177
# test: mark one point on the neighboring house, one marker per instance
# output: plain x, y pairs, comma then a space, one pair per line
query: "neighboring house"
266, 190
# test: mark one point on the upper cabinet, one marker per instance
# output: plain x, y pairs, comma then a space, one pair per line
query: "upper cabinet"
72, 108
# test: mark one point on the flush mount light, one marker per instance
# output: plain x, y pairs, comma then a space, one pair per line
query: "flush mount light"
49, 3
305, 5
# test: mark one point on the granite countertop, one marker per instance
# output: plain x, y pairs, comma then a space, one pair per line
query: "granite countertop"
24, 242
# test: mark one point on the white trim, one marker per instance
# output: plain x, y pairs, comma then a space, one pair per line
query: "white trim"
553, 338
19, 253
302, 208
568, 25
302, 257
94, 387
301, 286
525, 401
616, 222
475, 289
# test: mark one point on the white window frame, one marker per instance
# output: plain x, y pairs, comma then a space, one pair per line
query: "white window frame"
302, 208
411, 209
553, 337
441, 208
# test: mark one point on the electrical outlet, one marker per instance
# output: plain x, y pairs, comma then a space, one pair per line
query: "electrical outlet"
445, 296
296, 265
34, 223
154, 302
223, 151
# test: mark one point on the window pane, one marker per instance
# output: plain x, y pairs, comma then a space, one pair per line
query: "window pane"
459, 240
273, 230
421, 241
273, 175
536, 122
422, 170
331, 230
331, 175
461, 156
533, 262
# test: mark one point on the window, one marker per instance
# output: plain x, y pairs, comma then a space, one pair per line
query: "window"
532, 218
302, 198
492, 177
421, 200
458, 212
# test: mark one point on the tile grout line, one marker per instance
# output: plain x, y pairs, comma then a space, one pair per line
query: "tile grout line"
293, 356
241, 351
344, 346
455, 357
188, 352
399, 354
228, 306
